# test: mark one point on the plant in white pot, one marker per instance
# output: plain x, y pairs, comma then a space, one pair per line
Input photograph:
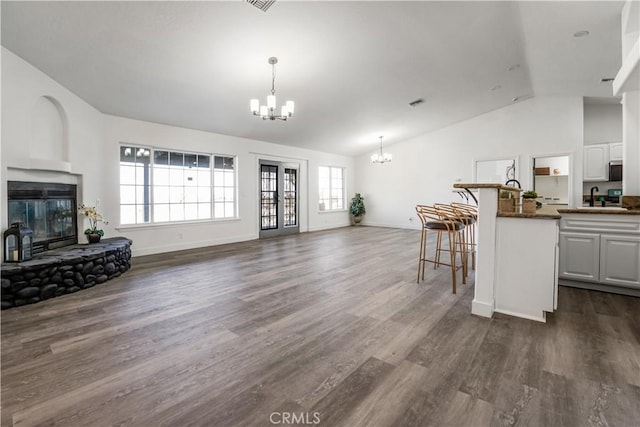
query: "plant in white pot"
357, 208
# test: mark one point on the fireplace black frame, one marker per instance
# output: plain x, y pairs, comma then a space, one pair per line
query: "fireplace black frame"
45, 191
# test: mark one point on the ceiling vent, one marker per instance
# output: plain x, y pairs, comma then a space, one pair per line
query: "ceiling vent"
263, 5
416, 102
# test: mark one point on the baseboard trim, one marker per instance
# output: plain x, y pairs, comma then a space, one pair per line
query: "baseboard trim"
480, 308
600, 287
136, 252
542, 319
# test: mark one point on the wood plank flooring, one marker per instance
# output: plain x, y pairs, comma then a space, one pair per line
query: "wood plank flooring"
328, 325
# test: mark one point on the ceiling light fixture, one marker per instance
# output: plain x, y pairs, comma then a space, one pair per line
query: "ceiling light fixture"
267, 112
381, 157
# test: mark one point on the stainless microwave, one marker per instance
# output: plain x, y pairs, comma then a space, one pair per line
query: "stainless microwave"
615, 171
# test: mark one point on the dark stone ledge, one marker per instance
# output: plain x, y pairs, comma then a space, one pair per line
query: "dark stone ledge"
63, 271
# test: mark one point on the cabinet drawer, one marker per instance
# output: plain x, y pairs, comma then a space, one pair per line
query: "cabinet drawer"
625, 224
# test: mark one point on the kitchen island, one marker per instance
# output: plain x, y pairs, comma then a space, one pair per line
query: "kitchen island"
519, 255
517, 258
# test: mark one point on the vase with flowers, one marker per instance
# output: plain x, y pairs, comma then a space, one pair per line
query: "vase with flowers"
93, 233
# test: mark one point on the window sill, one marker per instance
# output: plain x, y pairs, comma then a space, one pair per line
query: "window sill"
333, 211
174, 224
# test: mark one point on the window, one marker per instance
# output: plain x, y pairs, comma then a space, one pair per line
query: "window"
331, 189
165, 186
224, 187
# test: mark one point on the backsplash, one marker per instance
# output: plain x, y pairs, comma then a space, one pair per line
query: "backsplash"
603, 187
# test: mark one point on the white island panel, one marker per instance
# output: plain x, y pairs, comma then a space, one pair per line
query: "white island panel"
526, 260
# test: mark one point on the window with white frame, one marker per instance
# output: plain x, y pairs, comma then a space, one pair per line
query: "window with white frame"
331, 188
224, 187
159, 185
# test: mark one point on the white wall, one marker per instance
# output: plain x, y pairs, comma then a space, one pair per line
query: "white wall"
425, 168
161, 238
77, 159
90, 157
602, 123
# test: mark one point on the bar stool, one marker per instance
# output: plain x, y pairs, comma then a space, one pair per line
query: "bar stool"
440, 221
460, 216
470, 220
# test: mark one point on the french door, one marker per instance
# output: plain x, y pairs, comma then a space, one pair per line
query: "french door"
278, 198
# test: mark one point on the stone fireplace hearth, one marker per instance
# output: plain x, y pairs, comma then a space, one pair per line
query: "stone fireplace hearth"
64, 271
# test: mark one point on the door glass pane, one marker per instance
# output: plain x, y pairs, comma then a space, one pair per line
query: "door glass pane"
290, 197
269, 197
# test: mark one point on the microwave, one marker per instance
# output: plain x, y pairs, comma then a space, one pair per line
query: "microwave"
615, 171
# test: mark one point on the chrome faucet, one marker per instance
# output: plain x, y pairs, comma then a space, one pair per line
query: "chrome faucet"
513, 180
591, 200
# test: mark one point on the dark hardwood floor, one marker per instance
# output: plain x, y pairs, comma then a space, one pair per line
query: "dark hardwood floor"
325, 327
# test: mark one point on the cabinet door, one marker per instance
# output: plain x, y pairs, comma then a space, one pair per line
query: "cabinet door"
620, 260
580, 256
615, 151
596, 162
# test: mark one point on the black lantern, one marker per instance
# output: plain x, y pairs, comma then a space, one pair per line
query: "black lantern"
18, 243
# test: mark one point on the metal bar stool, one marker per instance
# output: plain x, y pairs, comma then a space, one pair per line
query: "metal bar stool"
470, 220
440, 222
462, 247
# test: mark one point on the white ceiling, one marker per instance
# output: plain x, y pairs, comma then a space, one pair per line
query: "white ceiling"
351, 67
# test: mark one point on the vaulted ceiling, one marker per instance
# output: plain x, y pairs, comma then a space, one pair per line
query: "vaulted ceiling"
352, 68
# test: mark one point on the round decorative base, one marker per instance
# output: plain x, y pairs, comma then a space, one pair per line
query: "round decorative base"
93, 238
357, 220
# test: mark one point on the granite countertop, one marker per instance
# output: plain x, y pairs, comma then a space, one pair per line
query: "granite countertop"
487, 185
534, 216
599, 211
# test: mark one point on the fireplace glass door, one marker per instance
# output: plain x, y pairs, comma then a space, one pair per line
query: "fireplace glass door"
49, 210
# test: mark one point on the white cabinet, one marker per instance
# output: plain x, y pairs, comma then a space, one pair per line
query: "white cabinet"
620, 260
596, 162
579, 256
601, 249
615, 151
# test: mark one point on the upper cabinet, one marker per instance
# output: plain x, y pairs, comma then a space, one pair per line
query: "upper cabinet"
615, 151
596, 162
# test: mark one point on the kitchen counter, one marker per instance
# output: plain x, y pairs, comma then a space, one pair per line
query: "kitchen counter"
536, 215
504, 282
486, 185
600, 211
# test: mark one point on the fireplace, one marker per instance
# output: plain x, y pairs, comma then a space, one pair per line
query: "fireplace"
49, 209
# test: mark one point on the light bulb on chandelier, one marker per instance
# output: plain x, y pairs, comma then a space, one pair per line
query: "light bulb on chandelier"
381, 157
268, 112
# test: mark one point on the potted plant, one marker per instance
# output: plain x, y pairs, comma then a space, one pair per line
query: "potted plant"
93, 233
506, 204
357, 208
529, 202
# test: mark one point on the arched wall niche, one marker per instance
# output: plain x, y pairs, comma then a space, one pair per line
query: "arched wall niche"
50, 138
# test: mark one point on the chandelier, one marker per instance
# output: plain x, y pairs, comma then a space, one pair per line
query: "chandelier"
381, 157
268, 112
